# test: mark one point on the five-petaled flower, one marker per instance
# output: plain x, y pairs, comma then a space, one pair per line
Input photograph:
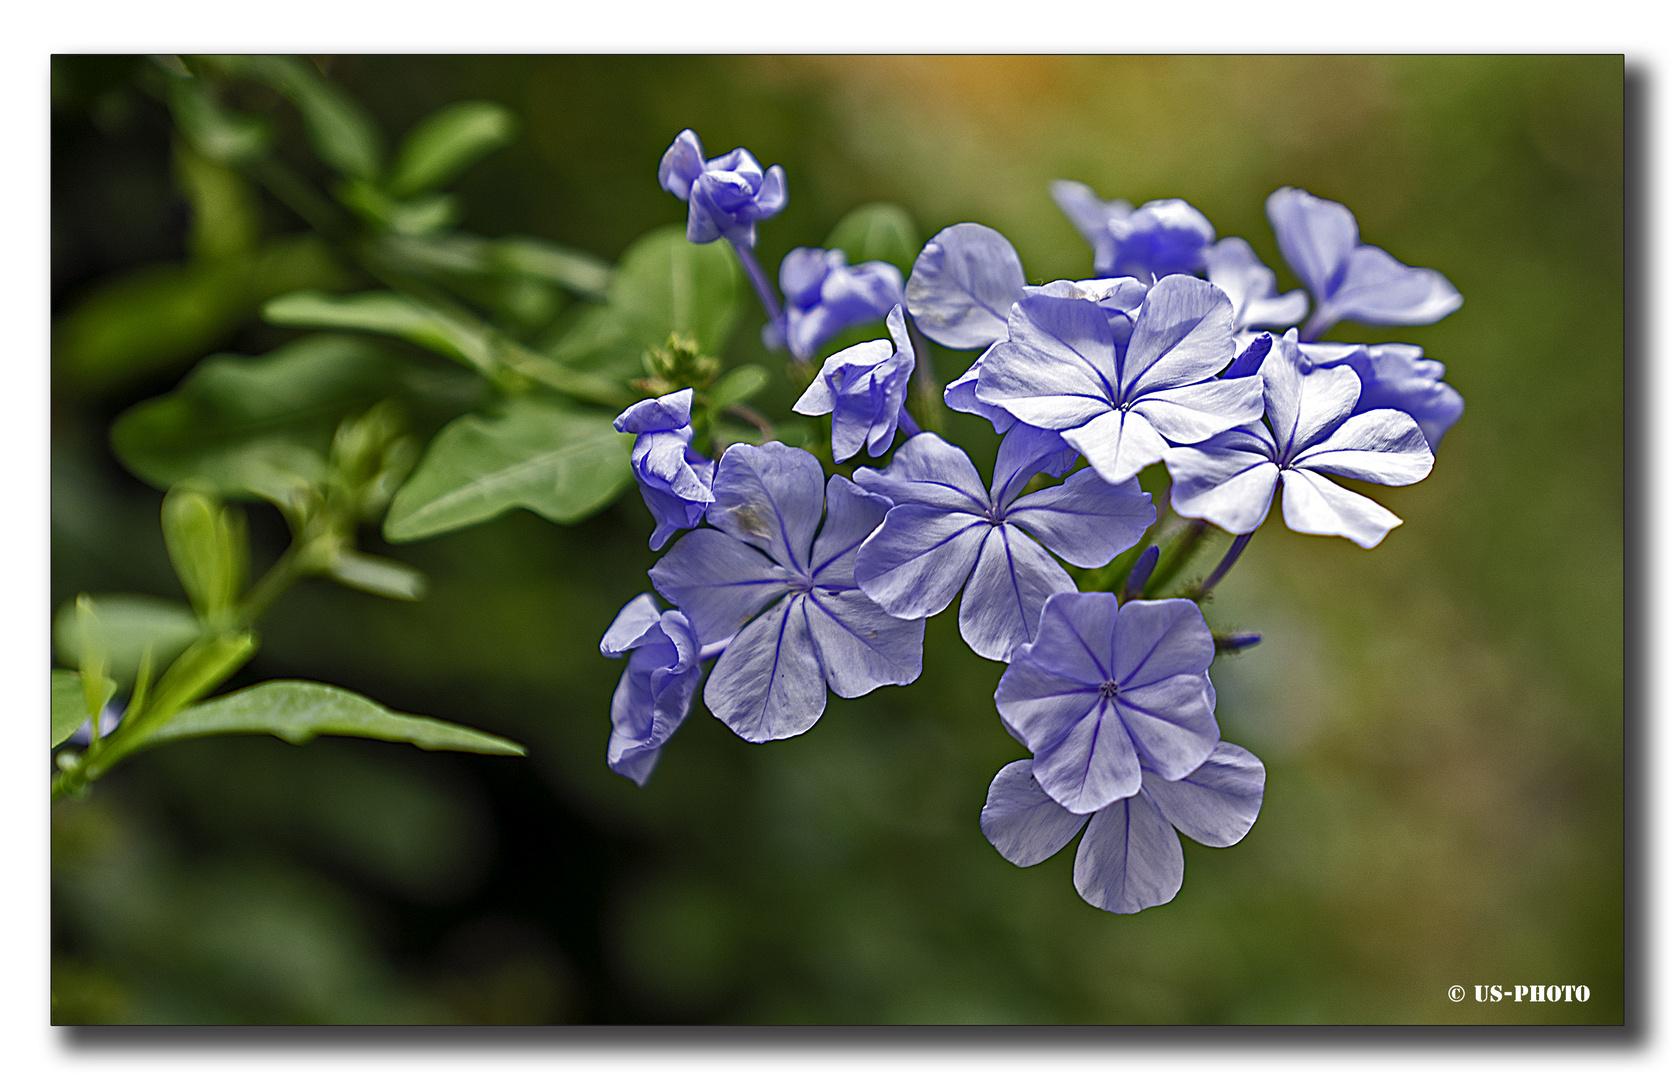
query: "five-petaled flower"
1105, 688
1311, 429
725, 196
820, 630
1117, 402
1130, 857
945, 531
864, 387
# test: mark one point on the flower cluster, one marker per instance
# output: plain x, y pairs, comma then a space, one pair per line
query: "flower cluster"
1180, 351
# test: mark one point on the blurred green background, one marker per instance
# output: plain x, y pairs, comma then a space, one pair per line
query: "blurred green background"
1441, 717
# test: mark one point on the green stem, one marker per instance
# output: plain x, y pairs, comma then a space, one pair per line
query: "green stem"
1182, 547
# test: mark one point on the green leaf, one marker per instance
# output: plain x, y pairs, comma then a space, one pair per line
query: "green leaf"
518, 256
208, 547
213, 131
297, 711
562, 462
664, 285
877, 231
240, 422
386, 313
126, 625
226, 219
148, 320
381, 577
446, 142
163, 316
569, 268
69, 705
341, 131
417, 216
741, 384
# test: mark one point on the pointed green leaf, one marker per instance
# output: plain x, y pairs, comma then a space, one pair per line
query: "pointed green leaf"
238, 422
741, 384
226, 218
877, 231
297, 711
341, 131
446, 142
69, 705
148, 320
213, 131
127, 625
562, 462
378, 576
384, 313
570, 268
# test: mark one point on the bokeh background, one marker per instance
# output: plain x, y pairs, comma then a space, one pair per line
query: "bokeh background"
1441, 717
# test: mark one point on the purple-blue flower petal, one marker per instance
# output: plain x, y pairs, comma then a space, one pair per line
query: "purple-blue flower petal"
915, 564
1013, 578
1022, 821
1228, 479
927, 469
1217, 803
768, 683
1084, 520
770, 497
1058, 367
671, 412
860, 646
864, 388
629, 628
1314, 504
682, 164
1129, 859
964, 282
1234, 269
852, 514
1349, 279
718, 581
1162, 237
1024, 452
1183, 334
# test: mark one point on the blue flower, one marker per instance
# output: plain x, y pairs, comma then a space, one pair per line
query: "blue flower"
1104, 689
1130, 859
1394, 376
1118, 298
824, 295
864, 387
1062, 368
1311, 430
674, 479
1234, 269
655, 692
1349, 279
819, 629
725, 196
945, 531
1164, 236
